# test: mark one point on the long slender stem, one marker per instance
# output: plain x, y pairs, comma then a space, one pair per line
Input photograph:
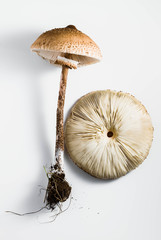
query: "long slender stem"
59, 148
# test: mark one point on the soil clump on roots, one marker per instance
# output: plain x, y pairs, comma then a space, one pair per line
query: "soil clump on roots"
58, 189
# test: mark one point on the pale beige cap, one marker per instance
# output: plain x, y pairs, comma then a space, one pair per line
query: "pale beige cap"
108, 133
59, 44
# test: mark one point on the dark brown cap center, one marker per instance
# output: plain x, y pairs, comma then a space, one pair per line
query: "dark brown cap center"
110, 134
71, 26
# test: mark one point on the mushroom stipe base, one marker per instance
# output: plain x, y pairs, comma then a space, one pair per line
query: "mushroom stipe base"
58, 189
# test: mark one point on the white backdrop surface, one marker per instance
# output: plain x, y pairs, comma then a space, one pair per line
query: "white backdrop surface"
129, 35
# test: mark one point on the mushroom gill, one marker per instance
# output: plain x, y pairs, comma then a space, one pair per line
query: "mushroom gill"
108, 133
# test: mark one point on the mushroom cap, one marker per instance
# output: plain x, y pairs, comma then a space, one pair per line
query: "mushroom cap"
108, 133
67, 42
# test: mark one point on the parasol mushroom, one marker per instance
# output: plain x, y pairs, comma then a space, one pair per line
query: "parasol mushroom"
69, 48
108, 133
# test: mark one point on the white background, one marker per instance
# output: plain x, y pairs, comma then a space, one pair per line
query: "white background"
129, 35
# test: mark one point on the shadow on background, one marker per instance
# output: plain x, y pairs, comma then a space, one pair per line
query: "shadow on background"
16, 57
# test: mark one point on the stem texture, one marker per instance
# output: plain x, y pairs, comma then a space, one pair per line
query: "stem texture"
59, 148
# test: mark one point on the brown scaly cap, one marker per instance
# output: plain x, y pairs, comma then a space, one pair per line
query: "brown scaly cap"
67, 42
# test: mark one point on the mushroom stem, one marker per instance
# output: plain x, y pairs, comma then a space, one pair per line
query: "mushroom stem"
59, 148
58, 189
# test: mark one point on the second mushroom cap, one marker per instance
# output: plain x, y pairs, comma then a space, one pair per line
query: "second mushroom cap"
108, 133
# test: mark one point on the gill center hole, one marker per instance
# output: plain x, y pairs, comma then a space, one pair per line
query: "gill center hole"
109, 134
